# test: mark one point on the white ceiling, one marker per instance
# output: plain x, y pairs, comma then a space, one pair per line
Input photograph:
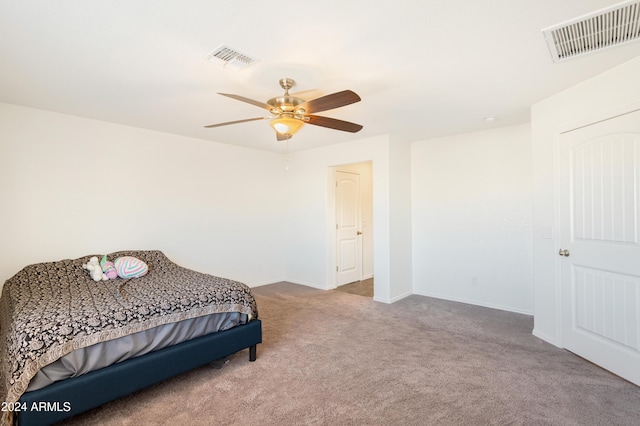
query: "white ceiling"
423, 68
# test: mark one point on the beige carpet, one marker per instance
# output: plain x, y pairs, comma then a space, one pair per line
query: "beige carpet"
333, 358
363, 288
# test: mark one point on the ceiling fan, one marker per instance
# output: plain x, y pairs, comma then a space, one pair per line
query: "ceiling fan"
290, 113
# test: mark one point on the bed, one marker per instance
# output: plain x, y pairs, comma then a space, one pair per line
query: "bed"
70, 344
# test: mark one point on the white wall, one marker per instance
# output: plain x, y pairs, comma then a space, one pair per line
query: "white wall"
310, 224
310, 251
472, 220
71, 186
366, 191
400, 218
612, 93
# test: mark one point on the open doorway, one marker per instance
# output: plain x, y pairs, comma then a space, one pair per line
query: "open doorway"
361, 288
353, 232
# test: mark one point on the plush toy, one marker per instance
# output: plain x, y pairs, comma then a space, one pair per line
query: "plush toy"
108, 268
93, 266
130, 267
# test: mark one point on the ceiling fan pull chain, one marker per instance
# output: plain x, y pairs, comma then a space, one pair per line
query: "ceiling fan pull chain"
286, 157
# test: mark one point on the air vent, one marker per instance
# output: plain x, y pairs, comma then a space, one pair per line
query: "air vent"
605, 28
229, 57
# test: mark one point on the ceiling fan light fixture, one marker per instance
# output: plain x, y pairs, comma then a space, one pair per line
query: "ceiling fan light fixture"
286, 125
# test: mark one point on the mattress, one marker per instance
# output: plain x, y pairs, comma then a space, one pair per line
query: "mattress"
103, 354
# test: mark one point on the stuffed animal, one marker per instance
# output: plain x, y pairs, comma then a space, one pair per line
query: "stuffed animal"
108, 269
130, 267
93, 266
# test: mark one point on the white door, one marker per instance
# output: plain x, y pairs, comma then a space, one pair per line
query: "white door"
348, 234
600, 216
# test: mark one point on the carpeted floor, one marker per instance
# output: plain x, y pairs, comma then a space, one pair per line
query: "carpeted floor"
363, 288
333, 358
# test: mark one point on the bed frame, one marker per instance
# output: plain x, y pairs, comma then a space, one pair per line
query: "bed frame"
73, 396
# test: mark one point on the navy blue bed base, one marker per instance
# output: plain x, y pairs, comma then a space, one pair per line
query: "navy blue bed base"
78, 394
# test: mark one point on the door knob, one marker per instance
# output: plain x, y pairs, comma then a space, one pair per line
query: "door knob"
564, 253
359, 232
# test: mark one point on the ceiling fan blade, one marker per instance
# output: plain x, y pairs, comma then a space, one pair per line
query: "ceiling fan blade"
247, 100
333, 123
332, 101
236, 122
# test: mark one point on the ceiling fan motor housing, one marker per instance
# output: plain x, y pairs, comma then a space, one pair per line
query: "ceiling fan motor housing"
286, 103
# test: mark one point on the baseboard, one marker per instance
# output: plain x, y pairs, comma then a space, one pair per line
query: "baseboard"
547, 338
260, 284
393, 299
476, 303
312, 285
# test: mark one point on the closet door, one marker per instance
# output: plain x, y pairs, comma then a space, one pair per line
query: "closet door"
600, 247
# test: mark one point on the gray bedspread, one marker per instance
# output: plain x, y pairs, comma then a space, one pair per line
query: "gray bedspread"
49, 309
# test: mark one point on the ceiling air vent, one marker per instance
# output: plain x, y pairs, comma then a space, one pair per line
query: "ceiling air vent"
229, 57
609, 27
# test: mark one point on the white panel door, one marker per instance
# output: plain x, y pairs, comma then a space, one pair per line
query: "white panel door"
348, 234
600, 216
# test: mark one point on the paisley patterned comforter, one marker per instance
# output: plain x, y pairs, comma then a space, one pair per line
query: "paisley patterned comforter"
49, 309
